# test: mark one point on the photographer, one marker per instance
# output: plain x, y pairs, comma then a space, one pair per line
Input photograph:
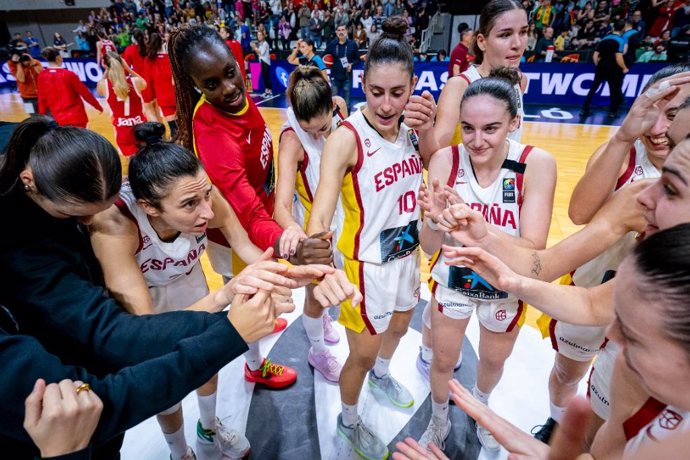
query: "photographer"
25, 69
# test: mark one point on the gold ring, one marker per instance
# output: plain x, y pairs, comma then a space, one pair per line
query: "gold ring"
83, 387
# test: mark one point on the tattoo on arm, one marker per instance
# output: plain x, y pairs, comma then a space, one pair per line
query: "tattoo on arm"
536, 264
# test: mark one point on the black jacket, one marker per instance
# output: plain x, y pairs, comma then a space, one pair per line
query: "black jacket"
67, 326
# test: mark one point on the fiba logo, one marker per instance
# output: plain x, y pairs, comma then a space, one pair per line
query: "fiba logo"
501, 315
282, 75
670, 420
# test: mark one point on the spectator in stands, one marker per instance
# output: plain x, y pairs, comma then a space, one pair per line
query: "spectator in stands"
441, 56
360, 36
328, 31
543, 43
304, 15
602, 14
562, 41
373, 34
18, 45
82, 43
610, 67
681, 18
638, 23
32, 44
658, 54
532, 36
663, 18
678, 47
303, 54
366, 19
60, 44
25, 70
316, 26
459, 57
284, 32
544, 16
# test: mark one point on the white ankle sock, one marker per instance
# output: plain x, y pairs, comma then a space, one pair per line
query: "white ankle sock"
253, 356
177, 443
314, 330
556, 412
207, 410
481, 396
439, 412
381, 367
349, 414
427, 353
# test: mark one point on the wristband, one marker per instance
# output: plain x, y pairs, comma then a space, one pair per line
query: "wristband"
432, 225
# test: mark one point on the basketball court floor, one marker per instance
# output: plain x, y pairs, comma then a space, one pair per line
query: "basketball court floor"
299, 423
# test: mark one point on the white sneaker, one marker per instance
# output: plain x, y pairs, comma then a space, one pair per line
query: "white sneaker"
487, 440
435, 434
231, 444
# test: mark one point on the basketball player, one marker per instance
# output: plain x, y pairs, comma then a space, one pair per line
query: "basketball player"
500, 41
371, 161
627, 157
160, 92
61, 93
227, 132
313, 114
150, 244
513, 186
103, 46
122, 87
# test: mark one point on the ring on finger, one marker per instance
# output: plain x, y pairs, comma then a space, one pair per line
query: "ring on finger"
83, 387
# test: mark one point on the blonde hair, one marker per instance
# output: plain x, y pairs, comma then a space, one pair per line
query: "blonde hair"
116, 75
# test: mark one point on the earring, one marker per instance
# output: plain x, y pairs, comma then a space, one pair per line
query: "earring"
27, 188
197, 90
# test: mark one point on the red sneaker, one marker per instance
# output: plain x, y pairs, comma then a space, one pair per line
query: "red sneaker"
271, 375
279, 325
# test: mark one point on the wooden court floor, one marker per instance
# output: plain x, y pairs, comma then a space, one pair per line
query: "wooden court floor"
571, 144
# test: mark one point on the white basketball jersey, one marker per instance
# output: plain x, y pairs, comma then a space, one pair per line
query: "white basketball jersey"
307, 179
379, 195
499, 203
472, 74
161, 262
603, 267
665, 421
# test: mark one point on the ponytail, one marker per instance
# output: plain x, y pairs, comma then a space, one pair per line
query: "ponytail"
116, 74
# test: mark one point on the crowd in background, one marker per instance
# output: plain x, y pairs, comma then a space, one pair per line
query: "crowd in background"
655, 30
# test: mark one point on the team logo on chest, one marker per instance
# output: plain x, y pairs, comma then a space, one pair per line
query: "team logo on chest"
509, 190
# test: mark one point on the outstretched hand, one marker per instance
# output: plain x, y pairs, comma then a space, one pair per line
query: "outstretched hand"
465, 225
254, 318
420, 111
486, 265
567, 440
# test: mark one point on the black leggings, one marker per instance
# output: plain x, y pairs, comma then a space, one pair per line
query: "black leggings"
614, 77
266, 75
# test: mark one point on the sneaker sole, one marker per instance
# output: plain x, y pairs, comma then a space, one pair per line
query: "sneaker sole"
357, 451
270, 386
321, 372
378, 389
330, 341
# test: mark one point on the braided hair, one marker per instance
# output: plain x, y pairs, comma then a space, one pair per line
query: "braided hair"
182, 47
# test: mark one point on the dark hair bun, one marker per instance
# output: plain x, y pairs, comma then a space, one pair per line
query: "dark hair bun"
150, 132
509, 74
394, 27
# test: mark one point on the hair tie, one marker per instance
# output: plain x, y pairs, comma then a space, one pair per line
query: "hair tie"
51, 125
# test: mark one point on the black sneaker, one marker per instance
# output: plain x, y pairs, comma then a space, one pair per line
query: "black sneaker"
544, 432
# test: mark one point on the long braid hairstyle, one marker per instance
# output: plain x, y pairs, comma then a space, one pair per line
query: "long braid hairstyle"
181, 47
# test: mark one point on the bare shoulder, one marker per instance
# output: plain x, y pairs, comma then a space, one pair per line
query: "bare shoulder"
113, 222
341, 104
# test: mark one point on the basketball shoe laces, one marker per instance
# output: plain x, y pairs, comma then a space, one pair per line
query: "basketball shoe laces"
271, 368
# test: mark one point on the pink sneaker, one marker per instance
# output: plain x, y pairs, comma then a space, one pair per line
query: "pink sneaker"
325, 363
330, 335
